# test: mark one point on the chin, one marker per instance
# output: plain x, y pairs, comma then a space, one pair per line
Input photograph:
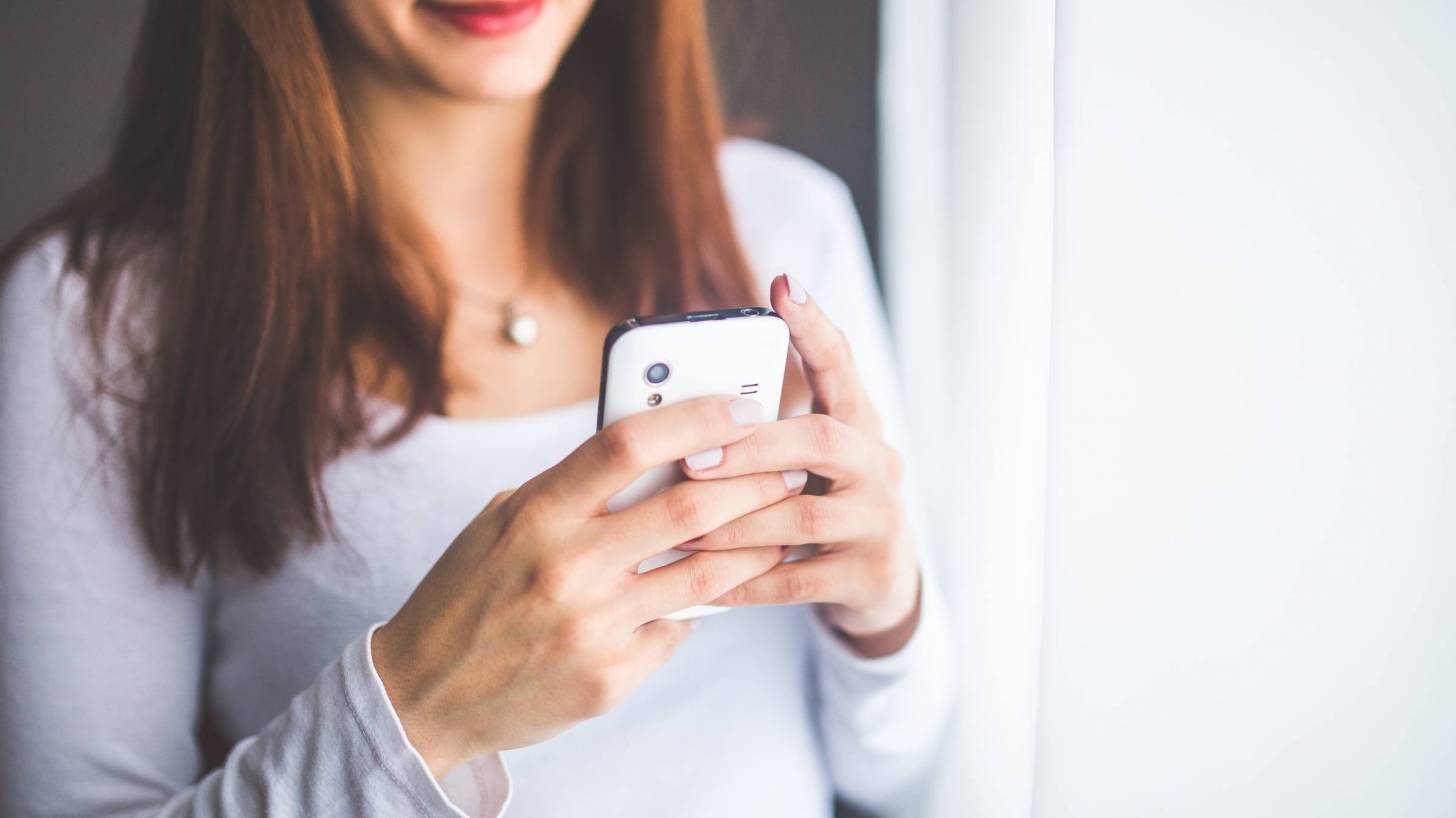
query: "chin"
503, 78
490, 56
504, 68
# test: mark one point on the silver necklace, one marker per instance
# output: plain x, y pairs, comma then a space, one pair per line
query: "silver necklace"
518, 327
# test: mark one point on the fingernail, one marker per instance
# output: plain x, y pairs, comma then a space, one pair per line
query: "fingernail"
706, 459
690, 545
795, 479
797, 293
745, 412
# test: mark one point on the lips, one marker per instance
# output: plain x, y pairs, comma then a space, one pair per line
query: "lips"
486, 19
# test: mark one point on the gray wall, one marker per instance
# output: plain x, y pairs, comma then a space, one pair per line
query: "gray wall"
800, 73
61, 69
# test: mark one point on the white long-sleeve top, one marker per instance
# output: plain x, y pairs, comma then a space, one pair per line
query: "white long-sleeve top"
107, 671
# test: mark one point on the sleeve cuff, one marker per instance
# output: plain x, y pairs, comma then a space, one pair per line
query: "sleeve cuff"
930, 630
883, 719
894, 701
480, 788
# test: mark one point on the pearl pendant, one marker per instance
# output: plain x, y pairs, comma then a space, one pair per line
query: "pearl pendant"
521, 329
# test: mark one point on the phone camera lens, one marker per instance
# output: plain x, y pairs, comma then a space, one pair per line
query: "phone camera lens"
749, 311
657, 373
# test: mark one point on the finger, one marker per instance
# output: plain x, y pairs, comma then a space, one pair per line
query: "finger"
828, 362
795, 521
656, 641
687, 511
824, 445
653, 643
615, 456
698, 579
788, 583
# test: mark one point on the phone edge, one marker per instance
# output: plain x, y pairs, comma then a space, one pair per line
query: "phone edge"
624, 327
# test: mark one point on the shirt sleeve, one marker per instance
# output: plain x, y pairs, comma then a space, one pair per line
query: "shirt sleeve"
102, 661
882, 719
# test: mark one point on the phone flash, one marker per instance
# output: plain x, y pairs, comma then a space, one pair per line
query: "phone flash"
654, 399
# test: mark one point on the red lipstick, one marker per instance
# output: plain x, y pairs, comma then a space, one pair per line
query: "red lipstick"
492, 18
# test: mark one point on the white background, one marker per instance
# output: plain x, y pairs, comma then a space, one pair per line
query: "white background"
1248, 462
1250, 600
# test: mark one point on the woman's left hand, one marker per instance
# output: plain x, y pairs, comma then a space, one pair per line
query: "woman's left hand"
865, 571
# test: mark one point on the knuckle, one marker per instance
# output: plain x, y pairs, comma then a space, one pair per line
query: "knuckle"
500, 513
577, 635
684, 509
609, 681
814, 517
622, 445
522, 515
669, 645
710, 413
800, 587
826, 436
705, 582
731, 534
598, 692
746, 451
554, 582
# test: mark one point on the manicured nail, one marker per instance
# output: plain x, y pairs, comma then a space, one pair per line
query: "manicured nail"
706, 459
797, 293
795, 479
745, 412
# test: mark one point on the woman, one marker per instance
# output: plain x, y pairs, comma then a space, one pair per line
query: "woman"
271, 367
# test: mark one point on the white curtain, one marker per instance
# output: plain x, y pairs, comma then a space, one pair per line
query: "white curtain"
1174, 292
966, 123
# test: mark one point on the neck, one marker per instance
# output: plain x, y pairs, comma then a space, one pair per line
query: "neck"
458, 167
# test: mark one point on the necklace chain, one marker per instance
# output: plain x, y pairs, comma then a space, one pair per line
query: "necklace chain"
518, 327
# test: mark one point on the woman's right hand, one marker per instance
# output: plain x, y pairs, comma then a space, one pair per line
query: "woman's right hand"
535, 617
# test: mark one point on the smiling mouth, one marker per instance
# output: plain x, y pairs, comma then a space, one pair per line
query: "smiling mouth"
486, 19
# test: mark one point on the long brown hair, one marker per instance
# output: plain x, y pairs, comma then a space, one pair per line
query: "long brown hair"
236, 205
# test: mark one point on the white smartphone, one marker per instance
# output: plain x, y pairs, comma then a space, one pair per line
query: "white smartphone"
659, 360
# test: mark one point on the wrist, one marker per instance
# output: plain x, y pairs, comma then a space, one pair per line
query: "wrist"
880, 635
430, 737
